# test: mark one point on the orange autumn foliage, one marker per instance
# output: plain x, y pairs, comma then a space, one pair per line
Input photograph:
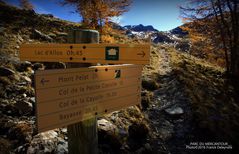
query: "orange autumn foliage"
213, 28
204, 43
97, 14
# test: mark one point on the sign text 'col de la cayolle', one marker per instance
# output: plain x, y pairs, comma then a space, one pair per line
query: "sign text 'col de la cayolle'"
67, 96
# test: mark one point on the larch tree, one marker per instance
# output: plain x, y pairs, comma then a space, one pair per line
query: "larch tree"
217, 22
25, 4
97, 14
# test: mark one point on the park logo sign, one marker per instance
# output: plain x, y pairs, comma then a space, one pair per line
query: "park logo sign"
86, 53
68, 96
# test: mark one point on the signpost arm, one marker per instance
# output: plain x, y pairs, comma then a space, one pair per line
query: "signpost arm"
83, 136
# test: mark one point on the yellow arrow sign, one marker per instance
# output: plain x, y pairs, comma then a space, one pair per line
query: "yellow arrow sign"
86, 53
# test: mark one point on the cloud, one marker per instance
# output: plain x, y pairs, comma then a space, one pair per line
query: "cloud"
41, 10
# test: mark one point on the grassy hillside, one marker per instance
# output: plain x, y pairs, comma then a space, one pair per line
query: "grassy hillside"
23, 26
214, 110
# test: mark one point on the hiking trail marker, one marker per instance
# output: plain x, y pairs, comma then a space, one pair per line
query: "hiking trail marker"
74, 97
86, 53
67, 96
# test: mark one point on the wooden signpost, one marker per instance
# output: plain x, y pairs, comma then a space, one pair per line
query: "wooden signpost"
83, 136
74, 97
86, 53
67, 96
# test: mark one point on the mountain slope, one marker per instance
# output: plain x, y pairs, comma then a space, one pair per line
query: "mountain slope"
184, 99
175, 37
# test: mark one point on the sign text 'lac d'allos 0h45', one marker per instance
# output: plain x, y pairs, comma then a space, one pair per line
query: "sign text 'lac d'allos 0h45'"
67, 96
86, 53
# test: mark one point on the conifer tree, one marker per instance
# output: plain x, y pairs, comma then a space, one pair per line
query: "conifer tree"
216, 22
97, 14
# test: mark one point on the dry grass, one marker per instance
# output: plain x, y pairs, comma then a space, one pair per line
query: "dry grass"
214, 108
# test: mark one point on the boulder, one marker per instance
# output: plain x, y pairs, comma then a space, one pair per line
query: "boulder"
138, 131
166, 130
38, 66
106, 125
62, 147
23, 66
6, 71
145, 99
39, 35
26, 79
174, 111
149, 84
24, 107
107, 134
44, 142
21, 131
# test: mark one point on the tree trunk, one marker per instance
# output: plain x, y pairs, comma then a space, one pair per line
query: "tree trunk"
222, 38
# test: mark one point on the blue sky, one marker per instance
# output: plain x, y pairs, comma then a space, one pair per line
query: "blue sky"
162, 14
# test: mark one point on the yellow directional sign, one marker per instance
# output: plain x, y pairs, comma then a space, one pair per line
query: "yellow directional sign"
67, 96
86, 53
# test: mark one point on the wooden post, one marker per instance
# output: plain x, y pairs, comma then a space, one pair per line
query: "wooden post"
83, 136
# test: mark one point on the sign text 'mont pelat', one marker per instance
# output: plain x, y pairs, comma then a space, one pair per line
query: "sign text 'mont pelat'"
67, 96
86, 53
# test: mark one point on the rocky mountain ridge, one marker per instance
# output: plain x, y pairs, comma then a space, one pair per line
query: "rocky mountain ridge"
140, 28
176, 37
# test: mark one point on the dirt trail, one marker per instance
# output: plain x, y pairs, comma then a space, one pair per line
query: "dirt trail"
169, 113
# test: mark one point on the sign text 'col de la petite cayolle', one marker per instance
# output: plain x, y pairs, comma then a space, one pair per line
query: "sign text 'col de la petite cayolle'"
67, 96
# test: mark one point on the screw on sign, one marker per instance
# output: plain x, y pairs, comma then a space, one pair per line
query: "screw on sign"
77, 90
74, 97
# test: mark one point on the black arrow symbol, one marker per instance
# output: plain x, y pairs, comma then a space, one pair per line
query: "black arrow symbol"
43, 81
141, 54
